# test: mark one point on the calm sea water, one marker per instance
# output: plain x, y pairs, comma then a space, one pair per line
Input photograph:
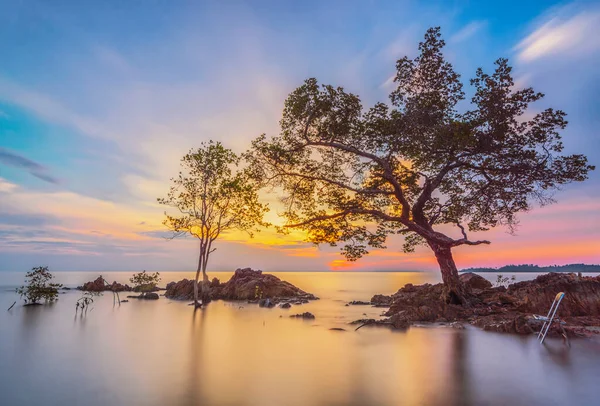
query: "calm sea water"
163, 353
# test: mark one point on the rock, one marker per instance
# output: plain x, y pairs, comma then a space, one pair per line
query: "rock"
243, 285
501, 309
285, 305
475, 281
337, 329
246, 282
124, 301
182, 290
305, 315
99, 285
359, 302
363, 321
148, 287
266, 303
381, 300
145, 296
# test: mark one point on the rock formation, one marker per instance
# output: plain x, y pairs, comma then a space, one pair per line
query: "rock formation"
498, 308
245, 284
100, 285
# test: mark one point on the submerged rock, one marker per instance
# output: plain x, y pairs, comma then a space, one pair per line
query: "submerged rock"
146, 296
359, 302
305, 315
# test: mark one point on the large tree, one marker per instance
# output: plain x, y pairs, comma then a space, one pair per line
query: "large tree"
422, 164
212, 195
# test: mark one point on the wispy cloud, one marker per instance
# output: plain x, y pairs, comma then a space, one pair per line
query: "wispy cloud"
18, 161
562, 34
468, 31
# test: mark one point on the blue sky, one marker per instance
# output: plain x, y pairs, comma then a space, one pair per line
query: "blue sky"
98, 101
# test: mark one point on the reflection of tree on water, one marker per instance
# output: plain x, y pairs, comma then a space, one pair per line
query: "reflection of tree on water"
460, 370
194, 394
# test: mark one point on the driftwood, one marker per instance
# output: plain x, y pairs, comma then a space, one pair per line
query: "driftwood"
13, 305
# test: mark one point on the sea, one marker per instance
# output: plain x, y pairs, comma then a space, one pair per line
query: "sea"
233, 353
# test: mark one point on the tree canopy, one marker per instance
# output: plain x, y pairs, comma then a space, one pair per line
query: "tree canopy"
425, 159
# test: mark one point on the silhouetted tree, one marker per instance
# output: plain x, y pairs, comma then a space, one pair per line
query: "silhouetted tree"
212, 196
408, 167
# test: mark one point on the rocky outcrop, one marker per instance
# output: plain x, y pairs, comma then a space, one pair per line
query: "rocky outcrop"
100, 285
381, 301
182, 290
245, 284
501, 309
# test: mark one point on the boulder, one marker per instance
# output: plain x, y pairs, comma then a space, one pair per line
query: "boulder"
381, 301
285, 305
359, 303
475, 281
182, 290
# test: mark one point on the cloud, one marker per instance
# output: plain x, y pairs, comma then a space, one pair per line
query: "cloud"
21, 162
6, 187
560, 34
468, 31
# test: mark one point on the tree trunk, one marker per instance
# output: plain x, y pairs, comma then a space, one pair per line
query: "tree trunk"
196, 302
205, 288
455, 292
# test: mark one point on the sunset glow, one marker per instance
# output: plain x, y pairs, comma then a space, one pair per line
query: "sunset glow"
90, 142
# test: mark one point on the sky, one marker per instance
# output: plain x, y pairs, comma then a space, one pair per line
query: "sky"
99, 101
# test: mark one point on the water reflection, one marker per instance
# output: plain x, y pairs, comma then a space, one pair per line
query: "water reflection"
165, 353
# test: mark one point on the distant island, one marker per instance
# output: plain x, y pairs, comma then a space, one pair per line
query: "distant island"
536, 268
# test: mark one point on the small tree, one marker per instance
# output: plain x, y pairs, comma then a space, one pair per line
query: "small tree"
420, 162
37, 286
211, 196
145, 282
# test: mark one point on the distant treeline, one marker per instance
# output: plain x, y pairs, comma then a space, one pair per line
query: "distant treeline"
536, 268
